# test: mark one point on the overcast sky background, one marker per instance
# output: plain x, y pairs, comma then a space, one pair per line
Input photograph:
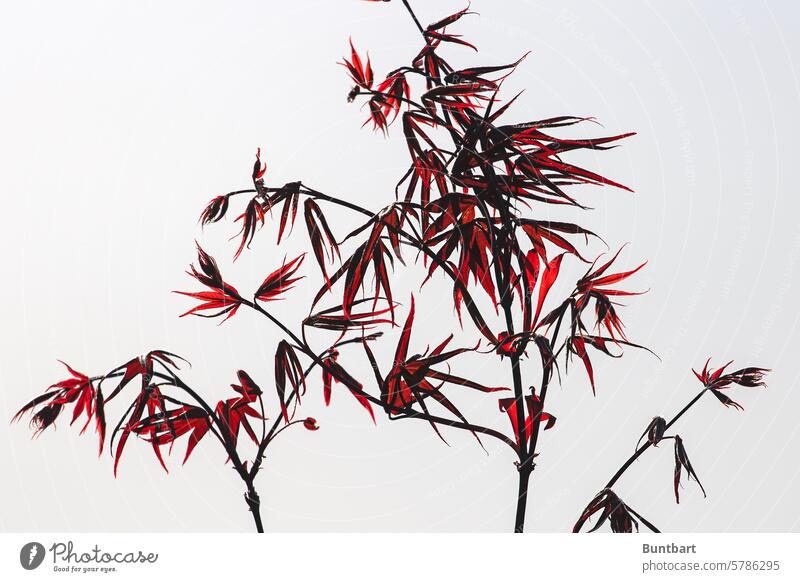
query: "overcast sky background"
121, 119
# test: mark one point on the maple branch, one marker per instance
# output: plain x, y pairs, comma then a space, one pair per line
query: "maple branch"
173, 379
626, 465
454, 424
273, 431
403, 412
416, 20
251, 495
502, 268
640, 450
421, 246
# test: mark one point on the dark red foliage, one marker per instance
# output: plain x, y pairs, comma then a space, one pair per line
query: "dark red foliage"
434, 33
251, 219
257, 208
577, 346
162, 410
549, 276
149, 399
534, 415
253, 216
411, 378
716, 381
620, 516
509, 345
335, 319
259, 169
221, 298
79, 391
375, 254
394, 91
288, 369
322, 240
682, 462
472, 206
143, 367
478, 75
215, 210
279, 281
360, 73
654, 431
355, 388
234, 412
595, 286
167, 426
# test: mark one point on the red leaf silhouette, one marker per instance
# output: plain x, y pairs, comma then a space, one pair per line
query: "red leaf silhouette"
578, 346
221, 299
682, 461
330, 318
408, 380
534, 405
353, 386
716, 381
549, 277
279, 281
234, 412
78, 390
373, 251
215, 210
166, 427
361, 74
619, 515
150, 399
448, 20
322, 240
654, 431
288, 368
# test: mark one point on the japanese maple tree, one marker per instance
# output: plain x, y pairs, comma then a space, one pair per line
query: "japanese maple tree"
163, 408
470, 208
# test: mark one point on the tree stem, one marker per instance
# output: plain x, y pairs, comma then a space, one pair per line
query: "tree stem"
639, 451
525, 466
626, 465
522, 499
414, 16
254, 505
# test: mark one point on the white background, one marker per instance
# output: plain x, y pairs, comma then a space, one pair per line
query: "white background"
120, 120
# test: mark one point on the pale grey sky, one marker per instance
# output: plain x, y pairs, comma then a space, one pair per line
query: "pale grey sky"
121, 119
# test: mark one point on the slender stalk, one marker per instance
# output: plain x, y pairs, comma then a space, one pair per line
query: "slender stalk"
626, 465
640, 450
525, 467
402, 412
251, 495
502, 268
254, 504
522, 499
414, 17
537, 420
273, 431
451, 423
419, 245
